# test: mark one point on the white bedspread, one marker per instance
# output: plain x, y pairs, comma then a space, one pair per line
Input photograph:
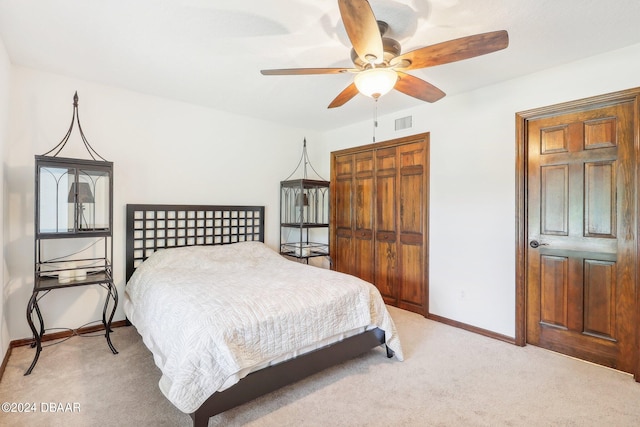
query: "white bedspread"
209, 314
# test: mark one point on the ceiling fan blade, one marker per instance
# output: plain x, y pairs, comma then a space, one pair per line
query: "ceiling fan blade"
362, 29
418, 88
344, 96
452, 50
304, 71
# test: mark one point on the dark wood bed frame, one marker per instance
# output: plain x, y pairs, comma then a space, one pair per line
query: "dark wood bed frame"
153, 227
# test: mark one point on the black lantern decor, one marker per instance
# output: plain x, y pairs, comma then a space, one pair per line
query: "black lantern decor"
73, 229
304, 213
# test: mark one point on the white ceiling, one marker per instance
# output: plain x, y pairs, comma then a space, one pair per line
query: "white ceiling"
210, 52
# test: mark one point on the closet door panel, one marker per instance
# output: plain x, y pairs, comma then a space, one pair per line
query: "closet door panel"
411, 202
386, 272
363, 253
412, 225
412, 191
343, 205
380, 218
342, 254
386, 253
386, 193
412, 289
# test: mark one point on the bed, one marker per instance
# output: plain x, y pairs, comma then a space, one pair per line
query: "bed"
228, 319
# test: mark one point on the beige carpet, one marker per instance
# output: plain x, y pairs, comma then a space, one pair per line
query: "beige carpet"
450, 378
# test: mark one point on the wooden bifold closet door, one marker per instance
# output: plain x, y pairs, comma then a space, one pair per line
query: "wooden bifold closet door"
379, 224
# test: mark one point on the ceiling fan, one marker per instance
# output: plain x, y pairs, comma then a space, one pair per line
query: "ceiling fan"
379, 64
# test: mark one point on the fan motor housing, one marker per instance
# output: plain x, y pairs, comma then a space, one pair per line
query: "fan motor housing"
391, 49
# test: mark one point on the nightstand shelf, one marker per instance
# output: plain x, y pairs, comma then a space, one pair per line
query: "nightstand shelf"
304, 225
304, 250
45, 282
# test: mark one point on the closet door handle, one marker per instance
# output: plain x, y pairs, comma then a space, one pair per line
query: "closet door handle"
534, 244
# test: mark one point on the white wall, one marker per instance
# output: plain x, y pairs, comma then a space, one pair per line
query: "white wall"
472, 200
5, 74
163, 152
172, 152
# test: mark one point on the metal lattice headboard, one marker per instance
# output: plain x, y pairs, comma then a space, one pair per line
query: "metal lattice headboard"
153, 227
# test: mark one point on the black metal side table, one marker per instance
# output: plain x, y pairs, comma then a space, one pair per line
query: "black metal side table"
73, 214
45, 284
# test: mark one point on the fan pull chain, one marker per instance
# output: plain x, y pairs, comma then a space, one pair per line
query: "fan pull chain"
375, 118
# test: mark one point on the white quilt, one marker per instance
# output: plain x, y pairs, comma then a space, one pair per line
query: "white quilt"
210, 314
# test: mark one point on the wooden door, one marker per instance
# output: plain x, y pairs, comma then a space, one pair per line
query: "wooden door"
581, 227
387, 274
363, 261
411, 203
342, 212
353, 198
379, 226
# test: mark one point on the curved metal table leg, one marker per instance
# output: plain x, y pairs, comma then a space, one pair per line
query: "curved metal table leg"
37, 336
112, 293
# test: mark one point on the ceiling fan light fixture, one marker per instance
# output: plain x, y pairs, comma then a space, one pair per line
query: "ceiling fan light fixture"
375, 82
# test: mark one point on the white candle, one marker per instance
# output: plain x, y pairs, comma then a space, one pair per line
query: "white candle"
67, 275
80, 274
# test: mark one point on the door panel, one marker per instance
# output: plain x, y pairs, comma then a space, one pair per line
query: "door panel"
386, 274
412, 219
386, 254
386, 179
363, 221
343, 212
600, 298
600, 199
342, 209
581, 228
554, 199
412, 291
554, 289
379, 228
